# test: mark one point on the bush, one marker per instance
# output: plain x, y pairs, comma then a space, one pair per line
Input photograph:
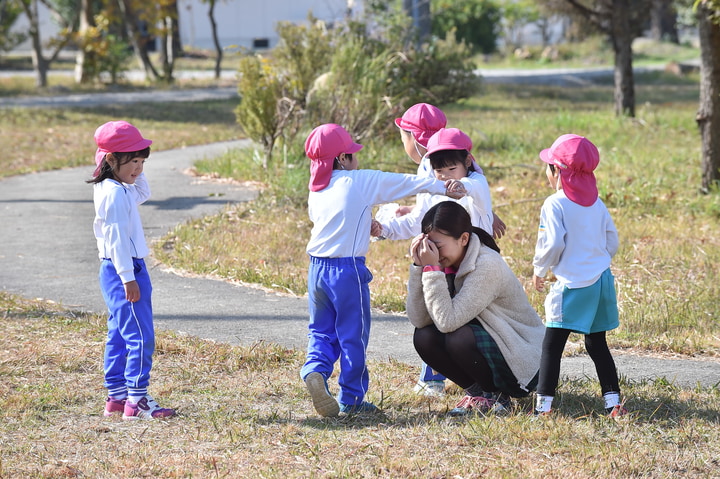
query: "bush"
351, 76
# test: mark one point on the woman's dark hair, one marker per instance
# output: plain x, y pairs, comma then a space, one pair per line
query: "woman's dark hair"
452, 219
445, 158
106, 171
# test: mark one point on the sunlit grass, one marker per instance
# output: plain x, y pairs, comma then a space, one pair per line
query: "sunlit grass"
48, 138
648, 176
243, 412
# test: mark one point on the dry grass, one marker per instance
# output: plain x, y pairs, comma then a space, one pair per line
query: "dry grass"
45, 139
648, 176
243, 412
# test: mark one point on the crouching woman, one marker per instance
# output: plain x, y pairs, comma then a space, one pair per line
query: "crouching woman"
473, 321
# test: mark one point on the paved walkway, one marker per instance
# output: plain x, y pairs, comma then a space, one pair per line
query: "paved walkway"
47, 251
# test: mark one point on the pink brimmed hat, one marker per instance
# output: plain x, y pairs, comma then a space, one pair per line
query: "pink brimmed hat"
322, 146
422, 120
452, 139
577, 157
117, 137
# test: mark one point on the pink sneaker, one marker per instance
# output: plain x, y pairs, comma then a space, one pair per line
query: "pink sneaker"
617, 411
113, 406
146, 408
472, 404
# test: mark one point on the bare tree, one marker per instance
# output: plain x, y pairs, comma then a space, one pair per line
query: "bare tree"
216, 39
138, 38
41, 63
622, 22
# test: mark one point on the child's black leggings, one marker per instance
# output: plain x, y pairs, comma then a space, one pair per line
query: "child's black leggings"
552, 350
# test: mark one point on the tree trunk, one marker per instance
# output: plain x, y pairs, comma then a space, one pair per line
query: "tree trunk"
216, 40
168, 52
622, 38
83, 57
419, 11
138, 43
708, 115
40, 64
663, 21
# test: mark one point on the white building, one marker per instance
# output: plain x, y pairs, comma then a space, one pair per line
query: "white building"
240, 23
251, 23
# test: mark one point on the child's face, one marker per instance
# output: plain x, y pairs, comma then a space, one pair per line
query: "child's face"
453, 172
411, 147
128, 172
553, 176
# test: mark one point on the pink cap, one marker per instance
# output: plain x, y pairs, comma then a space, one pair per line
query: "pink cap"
322, 146
117, 137
422, 120
577, 158
452, 139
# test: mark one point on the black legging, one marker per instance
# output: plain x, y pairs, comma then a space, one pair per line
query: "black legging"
552, 350
454, 355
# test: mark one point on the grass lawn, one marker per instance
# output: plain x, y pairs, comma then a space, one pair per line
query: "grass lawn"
243, 412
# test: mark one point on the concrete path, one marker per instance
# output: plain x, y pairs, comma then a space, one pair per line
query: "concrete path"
47, 250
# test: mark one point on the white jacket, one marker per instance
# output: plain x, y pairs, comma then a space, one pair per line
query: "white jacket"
117, 226
486, 289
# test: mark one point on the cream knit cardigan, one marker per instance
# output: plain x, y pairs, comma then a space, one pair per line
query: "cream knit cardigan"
486, 289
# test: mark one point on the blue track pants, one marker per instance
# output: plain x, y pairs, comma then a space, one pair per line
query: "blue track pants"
339, 328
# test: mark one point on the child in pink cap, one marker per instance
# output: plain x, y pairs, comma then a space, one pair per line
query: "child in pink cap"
339, 205
119, 186
576, 240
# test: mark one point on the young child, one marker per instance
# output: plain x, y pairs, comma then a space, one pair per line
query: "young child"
420, 122
576, 240
339, 205
119, 185
447, 155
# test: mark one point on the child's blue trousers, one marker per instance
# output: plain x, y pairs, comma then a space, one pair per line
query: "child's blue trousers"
339, 328
131, 336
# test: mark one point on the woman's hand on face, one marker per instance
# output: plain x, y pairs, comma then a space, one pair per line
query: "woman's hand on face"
424, 251
414, 245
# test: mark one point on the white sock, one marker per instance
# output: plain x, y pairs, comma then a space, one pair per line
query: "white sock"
612, 399
543, 403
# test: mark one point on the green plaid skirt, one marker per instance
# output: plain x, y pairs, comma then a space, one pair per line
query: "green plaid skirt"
503, 376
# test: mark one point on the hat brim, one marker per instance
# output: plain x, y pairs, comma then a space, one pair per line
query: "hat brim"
353, 148
546, 156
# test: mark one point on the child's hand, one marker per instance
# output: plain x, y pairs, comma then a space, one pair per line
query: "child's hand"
539, 283
375, 228
132, 291
454, 189
498, 227
403, 210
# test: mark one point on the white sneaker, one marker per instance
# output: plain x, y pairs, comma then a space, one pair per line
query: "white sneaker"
430, 388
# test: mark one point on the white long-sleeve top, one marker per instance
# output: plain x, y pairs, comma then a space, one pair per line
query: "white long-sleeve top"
341, 212
117, 226
477, 202
576, 242
488, 290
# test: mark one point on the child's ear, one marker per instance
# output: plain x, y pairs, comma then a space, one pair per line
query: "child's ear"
464, 238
